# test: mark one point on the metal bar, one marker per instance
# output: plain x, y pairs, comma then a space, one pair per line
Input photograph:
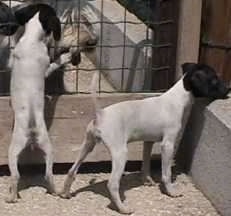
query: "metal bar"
124, 47
78, 36
212, 45
114, 68
165, 22
164, 45
101, 43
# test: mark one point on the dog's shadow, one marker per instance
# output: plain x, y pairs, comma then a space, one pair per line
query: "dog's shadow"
27, 181
128, 182
31, 176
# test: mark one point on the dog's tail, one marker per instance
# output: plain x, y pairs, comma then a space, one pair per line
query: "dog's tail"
93, 90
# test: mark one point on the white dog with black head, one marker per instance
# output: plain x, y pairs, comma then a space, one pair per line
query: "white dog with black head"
30, 65
156, 119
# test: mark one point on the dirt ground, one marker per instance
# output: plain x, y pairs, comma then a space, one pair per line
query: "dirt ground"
90, 198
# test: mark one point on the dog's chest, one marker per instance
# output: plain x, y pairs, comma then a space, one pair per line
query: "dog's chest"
30, 58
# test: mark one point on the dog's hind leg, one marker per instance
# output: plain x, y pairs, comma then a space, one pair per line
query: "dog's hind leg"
119, 158
45, 145
18, 143
86, 147
146, 169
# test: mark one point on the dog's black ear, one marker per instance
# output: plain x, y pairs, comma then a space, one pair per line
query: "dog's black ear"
23, 15
50, 22
187, 67
47, 17
55, 26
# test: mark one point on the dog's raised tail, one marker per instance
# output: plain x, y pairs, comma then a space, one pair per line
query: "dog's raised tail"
93, 90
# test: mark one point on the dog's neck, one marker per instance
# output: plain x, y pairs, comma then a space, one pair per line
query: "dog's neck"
34, 30
178, 92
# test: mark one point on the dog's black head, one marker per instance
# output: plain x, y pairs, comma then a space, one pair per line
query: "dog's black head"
47, 16
202, 81
8, 23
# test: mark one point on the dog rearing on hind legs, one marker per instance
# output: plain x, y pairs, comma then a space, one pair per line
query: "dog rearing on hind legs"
30, 65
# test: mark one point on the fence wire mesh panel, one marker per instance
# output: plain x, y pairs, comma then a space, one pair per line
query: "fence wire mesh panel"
132, 43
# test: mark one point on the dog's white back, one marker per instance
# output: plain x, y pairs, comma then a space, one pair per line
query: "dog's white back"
143, 120
29, 62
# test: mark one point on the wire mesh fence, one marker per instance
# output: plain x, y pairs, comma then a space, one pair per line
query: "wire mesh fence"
131, 43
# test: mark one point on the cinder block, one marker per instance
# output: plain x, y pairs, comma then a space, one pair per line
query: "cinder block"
207, 152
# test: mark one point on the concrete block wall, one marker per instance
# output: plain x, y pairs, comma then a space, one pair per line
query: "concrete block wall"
207, 151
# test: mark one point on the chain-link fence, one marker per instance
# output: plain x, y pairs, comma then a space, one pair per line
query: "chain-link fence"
132, 43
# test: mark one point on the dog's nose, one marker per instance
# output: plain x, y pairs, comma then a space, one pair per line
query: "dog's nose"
75, 58
92, 42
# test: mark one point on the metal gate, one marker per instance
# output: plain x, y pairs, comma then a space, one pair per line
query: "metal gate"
136, 49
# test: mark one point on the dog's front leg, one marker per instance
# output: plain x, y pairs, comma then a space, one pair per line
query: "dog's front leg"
62, 60
146, 169
167, 154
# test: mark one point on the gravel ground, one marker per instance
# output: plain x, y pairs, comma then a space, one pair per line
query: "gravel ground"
90, 198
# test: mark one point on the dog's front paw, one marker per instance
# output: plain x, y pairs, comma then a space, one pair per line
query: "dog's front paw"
148, 181
125, 210
65, 58
173, 190
11, 199
65, 195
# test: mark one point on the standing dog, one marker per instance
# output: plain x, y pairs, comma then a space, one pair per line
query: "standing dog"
30, 65
150, 120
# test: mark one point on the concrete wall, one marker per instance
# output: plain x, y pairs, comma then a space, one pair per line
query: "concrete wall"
206, 149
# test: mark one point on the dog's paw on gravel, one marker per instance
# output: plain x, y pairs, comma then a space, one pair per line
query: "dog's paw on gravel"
148, 181
173, 190
65, 195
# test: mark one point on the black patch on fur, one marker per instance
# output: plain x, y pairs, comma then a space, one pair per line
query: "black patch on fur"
8, 23
47, 16
202, 81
